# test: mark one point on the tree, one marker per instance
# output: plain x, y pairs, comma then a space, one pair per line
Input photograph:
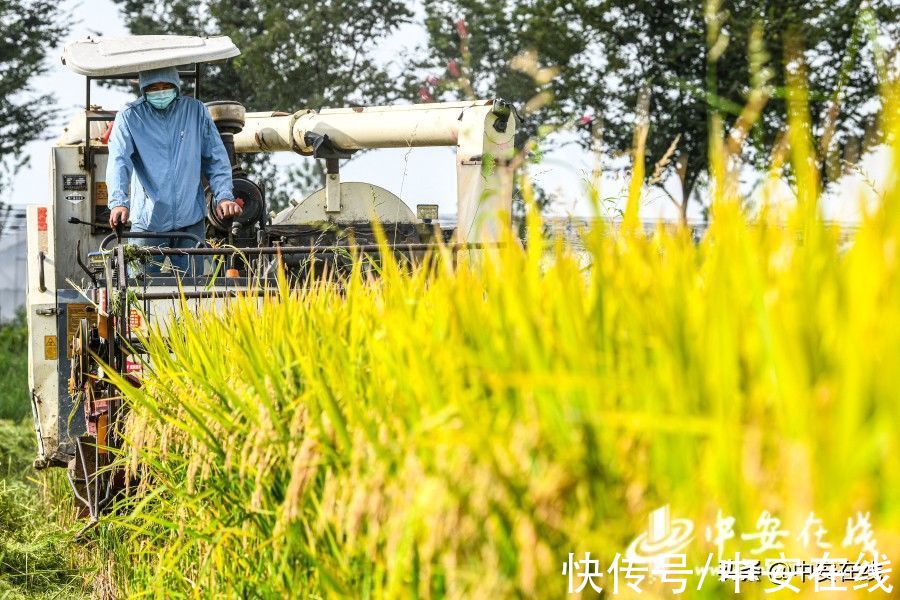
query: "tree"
690, 59
30, 29
294, 53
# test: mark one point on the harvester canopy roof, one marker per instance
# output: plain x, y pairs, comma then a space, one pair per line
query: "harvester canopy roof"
107, 56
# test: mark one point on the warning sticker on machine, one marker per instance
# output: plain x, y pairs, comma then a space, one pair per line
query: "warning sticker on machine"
101, 196
50, 348
74, 314
43, 238
134, 365
136, 320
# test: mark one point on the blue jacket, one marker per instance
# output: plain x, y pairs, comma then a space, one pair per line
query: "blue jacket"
161, 154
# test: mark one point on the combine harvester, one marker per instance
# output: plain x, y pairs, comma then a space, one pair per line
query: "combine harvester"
85, 306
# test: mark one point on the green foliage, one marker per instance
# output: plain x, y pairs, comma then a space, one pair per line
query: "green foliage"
14, 401
698, 64
472, 44
294, 54
689, 59
37, 556
16, 449
31, 28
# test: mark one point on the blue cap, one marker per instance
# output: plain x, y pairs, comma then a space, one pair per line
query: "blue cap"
164, 75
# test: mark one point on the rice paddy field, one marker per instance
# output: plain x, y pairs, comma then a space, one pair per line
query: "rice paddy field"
631, 414
467, 430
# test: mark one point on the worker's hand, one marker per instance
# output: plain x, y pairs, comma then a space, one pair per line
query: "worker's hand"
228, 209
118, 215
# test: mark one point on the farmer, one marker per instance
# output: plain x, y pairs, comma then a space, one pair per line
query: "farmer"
166, 141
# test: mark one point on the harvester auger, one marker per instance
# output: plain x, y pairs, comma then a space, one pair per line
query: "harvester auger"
87, 305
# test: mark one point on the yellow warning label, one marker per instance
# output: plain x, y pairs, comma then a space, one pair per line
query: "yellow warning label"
50, 349
101, 196
74, 314
136, 322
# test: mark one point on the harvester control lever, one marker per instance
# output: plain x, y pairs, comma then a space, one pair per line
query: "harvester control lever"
233, 231
98, 225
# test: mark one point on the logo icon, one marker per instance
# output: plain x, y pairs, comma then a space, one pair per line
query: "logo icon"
664, 536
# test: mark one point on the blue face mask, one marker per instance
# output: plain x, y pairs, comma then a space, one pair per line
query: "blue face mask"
161, 98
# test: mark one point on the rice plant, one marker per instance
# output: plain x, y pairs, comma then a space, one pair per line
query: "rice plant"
455, 430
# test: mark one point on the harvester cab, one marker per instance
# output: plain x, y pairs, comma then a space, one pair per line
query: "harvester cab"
86, 305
